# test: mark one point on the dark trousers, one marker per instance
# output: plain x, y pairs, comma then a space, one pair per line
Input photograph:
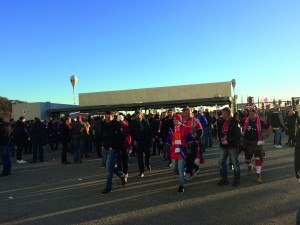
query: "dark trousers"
154, 147
38, 150
292, 139
20, 148
123, 161
12, 148
64, 151
140, 151
6, 159
190, 165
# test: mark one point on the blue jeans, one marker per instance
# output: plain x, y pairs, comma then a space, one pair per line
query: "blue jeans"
277, 136
103, 158
232, 153
111, 157
78, 145
178, 167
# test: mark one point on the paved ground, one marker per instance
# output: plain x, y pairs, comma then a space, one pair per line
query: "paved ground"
51, 193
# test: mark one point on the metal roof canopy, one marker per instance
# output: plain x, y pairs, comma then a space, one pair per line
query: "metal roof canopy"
149, 105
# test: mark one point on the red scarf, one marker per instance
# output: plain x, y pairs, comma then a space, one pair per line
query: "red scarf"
225, 127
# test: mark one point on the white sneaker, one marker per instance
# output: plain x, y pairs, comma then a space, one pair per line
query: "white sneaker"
196, 172
21, 161
279, 146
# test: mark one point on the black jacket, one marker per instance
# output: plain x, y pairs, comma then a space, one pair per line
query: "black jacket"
167, 123
234, 133
20, 133
112, 135
4, 134
64, 132
141, 132
38, 131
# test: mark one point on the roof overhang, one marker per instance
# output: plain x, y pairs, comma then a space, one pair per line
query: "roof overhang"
220, 101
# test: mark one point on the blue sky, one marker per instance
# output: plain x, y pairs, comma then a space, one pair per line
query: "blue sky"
131, 44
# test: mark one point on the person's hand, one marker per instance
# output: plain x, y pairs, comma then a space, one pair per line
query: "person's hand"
197, 161
224, 142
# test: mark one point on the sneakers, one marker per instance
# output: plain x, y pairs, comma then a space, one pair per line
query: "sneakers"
223, 182
196, 171
187, 177
21, 161
258, 178
141, 175
250, 170
149, 168
278, 146
106, 191
180, 189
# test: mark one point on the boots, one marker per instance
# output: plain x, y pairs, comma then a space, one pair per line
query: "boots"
258, 178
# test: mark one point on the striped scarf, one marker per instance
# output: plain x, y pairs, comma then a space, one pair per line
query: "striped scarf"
258, 127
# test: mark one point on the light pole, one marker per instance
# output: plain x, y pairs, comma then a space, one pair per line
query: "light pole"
73, 80
233, 83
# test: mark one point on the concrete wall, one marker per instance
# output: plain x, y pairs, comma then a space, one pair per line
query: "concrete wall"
195, 91
35, 109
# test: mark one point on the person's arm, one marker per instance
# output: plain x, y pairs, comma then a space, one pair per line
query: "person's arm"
281, 121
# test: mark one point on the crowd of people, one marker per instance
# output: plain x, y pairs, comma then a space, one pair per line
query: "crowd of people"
182, 138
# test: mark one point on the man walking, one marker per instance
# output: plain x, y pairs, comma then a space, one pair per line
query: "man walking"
141, 137
111, 144
255, 131
229, 133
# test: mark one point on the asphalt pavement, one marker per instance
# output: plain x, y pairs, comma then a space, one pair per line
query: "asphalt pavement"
52, 193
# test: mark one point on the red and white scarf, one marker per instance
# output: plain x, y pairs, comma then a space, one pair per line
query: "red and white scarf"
258, 128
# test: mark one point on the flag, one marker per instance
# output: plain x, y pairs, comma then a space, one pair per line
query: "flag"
266, 100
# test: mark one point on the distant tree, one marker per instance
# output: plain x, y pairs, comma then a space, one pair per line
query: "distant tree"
5, 106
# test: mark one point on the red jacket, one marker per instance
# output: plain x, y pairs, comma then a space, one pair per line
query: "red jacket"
127, 137
182, 135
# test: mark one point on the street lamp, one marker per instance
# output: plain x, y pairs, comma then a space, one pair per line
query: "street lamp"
233, 83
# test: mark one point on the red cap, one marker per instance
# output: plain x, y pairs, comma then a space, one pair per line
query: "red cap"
178, 116
79, 117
